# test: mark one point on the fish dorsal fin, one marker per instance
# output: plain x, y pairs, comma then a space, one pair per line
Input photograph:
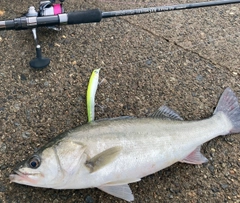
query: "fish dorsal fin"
102, 159
166, 113
196, 157
120, 191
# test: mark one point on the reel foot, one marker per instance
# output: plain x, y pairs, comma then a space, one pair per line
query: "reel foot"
39, 62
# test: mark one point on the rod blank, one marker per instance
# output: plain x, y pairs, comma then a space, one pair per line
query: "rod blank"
110, 14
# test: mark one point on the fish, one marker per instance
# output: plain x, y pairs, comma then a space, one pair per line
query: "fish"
109, 154
91, 92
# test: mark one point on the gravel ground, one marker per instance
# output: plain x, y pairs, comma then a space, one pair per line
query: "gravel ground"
183, 59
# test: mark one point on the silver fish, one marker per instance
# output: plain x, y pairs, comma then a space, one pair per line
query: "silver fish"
109, 154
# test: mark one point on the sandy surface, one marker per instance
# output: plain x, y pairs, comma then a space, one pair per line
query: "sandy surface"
183, 59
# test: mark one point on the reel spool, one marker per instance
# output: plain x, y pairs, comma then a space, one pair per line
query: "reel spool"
49, 8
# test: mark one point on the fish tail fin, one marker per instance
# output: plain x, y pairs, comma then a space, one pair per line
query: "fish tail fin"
228, 104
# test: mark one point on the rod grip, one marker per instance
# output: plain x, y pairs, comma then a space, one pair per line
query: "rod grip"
88, 16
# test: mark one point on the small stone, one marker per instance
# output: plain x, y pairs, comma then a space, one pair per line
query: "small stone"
171, 196
233, 10
202, 35
3, 147
64, 37
17, 124
23, 77
57, 45
211, 168
149, 62
171, 190
3, 167
215, 189
46, 83
224, 186
52, 129
172, 79
26, 135
2, 187
89, 199
17, 107
199, 78
213, 150
2, 12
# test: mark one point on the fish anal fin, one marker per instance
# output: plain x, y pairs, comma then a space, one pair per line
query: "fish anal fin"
120, 191
103, 159
195, 157
166, 113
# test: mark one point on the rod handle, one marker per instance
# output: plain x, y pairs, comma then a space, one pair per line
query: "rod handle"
88, 16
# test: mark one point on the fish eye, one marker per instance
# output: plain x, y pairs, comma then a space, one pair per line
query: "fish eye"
34, 162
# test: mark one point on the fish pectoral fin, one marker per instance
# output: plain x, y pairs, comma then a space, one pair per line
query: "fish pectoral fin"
196, 157
120, 191
103, 159
166, 113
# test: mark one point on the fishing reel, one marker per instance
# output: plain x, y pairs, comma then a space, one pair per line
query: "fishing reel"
52, 14
46, 8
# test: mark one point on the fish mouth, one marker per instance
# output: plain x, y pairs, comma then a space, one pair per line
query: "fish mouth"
22, 177
21, 173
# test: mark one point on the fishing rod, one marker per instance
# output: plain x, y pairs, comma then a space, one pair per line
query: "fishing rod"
51, 15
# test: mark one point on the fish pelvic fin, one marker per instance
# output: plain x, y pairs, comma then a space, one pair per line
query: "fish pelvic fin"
120, 191
102, 159
228, 104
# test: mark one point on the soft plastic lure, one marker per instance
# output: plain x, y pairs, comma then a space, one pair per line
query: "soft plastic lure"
91, 92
